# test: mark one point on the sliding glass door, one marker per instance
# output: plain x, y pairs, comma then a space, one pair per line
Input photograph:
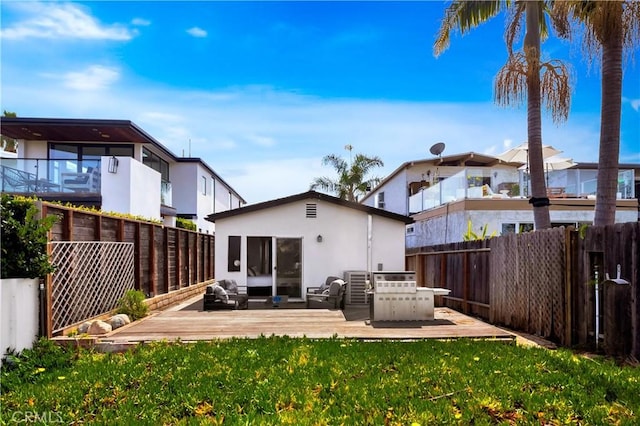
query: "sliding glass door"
288, 267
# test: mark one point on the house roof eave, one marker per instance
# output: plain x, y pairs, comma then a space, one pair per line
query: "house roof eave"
309, 195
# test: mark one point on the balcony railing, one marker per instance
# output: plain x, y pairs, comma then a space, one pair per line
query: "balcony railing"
491, 183
34, 176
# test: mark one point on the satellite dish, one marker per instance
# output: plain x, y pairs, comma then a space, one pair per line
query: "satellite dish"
436, 149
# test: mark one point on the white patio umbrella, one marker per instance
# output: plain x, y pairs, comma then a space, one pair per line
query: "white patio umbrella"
520, 154
554, 163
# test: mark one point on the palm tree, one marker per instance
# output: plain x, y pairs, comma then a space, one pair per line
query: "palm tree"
351, 182
609, 27
520, 75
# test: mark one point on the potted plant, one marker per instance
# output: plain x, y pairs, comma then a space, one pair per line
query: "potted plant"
24, 260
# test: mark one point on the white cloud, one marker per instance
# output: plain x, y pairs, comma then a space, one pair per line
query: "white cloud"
95, 77
61, 20
635, 104
197, 32
268, 144
261, 140
140, 22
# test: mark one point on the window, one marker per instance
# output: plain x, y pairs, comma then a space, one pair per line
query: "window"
525, 227
410, 229
78, 158
381, 200
510, 228
156, 163
233, 261
203, 186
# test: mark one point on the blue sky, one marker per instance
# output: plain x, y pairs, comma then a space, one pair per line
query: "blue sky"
261, 91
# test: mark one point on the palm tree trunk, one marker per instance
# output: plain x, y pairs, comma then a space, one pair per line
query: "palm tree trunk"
541, 216
612, 45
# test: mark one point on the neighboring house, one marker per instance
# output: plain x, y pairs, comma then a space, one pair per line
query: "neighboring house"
112, 165
444, 194
284, 246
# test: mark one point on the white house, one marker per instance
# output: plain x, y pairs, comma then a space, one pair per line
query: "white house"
444, 194
284, 246
113, 165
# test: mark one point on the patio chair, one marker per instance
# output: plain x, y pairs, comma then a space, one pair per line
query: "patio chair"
81, 182
14, 180
332, 298
323, 287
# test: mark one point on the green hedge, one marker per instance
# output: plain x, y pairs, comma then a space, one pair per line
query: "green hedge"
24, 239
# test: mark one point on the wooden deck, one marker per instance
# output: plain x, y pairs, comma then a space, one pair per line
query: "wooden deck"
187, 323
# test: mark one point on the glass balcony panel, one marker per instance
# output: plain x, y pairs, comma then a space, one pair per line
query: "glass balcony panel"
165, 193
498, 183
34, 176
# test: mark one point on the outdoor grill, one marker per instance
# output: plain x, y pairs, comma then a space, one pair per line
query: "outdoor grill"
395, 296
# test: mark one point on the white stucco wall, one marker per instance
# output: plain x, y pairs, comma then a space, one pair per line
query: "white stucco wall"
204, 201
19, 308
344, 243
188, 197
395, 194
222, 198
447, 229
134, 189
184, 187
32, 149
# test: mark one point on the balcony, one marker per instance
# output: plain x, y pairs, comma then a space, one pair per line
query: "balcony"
488, 183
41, 176
126, 186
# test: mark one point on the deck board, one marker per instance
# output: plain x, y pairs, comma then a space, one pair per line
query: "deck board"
191, 324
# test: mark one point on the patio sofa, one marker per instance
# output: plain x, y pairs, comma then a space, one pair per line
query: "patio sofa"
224, 294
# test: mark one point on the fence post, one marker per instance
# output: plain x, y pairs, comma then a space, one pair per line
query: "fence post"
153, 277
138, 257
67, 225
167, 262
568, 279
97, 228
465, 283
443, 270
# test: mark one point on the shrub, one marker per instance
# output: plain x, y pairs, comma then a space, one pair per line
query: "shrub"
24, 239
132, 304
185, 224
31, 364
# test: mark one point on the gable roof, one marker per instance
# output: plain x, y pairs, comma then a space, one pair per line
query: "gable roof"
309, 195
467, 159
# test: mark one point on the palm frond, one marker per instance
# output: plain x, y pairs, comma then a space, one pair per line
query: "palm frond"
513, 32
510, 85
324, 183
462, 16
555, 89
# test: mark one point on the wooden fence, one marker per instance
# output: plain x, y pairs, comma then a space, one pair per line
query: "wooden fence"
166, 258
544, 283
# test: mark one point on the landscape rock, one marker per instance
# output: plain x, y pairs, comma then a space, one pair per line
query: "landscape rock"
84, 327
119, 320
99, 327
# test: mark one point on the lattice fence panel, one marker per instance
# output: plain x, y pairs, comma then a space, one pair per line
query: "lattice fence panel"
527, 275
89, 280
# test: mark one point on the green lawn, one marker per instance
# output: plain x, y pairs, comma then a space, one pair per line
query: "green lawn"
299, 381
